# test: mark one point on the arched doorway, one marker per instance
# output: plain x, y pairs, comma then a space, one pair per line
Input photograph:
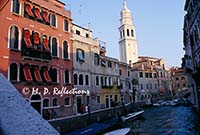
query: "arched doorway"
36, 102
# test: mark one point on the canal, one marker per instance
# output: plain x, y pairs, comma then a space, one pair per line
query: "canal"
165, 121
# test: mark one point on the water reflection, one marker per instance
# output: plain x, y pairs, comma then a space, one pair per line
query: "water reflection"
165, 121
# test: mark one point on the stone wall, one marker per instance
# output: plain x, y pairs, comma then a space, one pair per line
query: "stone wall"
67, 124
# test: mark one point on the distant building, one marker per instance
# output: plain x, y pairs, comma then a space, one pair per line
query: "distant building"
191, 59
153, 79
36, 52
179, 82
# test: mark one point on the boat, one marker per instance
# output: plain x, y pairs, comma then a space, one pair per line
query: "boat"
122, 131
95, 128
132, 115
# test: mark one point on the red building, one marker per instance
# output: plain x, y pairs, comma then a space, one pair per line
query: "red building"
36, 51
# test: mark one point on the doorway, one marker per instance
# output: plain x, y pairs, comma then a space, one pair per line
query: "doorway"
36, 103
78, 104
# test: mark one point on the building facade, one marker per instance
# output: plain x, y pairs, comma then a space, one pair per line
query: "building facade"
153, 79
191, 59
179, 82
36, 52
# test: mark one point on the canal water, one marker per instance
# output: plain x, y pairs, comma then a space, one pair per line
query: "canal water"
179, 120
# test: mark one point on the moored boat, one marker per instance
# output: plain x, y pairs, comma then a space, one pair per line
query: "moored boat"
132, 115
122, 131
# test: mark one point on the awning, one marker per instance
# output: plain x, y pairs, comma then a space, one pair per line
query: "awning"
37, 74
37, 14
45, 16
29, 11
27, 39
46, 75
45, 44
27, 73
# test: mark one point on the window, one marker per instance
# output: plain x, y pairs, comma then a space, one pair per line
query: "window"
147, 86
66, 25
120, 72
132, 33
123, 33
67, 101
155, 75
54, 47
106, 83
102, 82
150, 75
78, 32
28, 11
177, 78
86, 80
98, 100
67, 81
36, 40
155, 86
109, 64
96, 59
97, 81
46, 102
129, 85
13, 72
15, 6
103, 63
75, 79
80, 55
27, 73
45, 43
54, 75
128, 34
45, 17
27, 39
150, 86
14, 38
88, 99
141, 85
184, 85
146, 75
46, 75
128, 73
115, 98
37, 74
182, 78
87, 35
80, 79
37, 14
55, 102
53, 20
141, 74
65, 50
110, 81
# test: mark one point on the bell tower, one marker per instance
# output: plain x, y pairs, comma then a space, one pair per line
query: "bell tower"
127, 42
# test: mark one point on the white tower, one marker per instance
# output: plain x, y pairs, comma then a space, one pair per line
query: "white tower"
127, 43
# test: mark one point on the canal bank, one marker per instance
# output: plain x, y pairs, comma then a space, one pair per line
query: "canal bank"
165, 120
67, 124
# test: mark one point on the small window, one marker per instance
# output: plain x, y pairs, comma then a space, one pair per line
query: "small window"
128, 73
67, 101
132, 33
54, 75
177, 78
141, 86
14, 38
67, 81
54, 47
65, 50
146, 75
141, 74
115, 98
75, 79
147, 86
182, 78
55, 102
150, 75
86, 80
80, 55
13, 70
66, 25
80, 79
78, 32
53, 20
98, 100
96, 59
46, 102
128, 34
120, 72
109, 64
123, 33
110, 81
15, 6
102, 82
87, 35
103, 63
97, 80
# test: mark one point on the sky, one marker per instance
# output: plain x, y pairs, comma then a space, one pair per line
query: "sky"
158, 23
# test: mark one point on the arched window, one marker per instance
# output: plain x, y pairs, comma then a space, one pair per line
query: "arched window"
67, 101
36, 97
97, 81
54, 75
102, 82
132, 33
110, 81
46, 102
75, 79
80, 79
65, 50
66, 25
128, 34
53, 20
14, 38
13, 72
67, 76
86, 80
54, 47
15, 6
55, 102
